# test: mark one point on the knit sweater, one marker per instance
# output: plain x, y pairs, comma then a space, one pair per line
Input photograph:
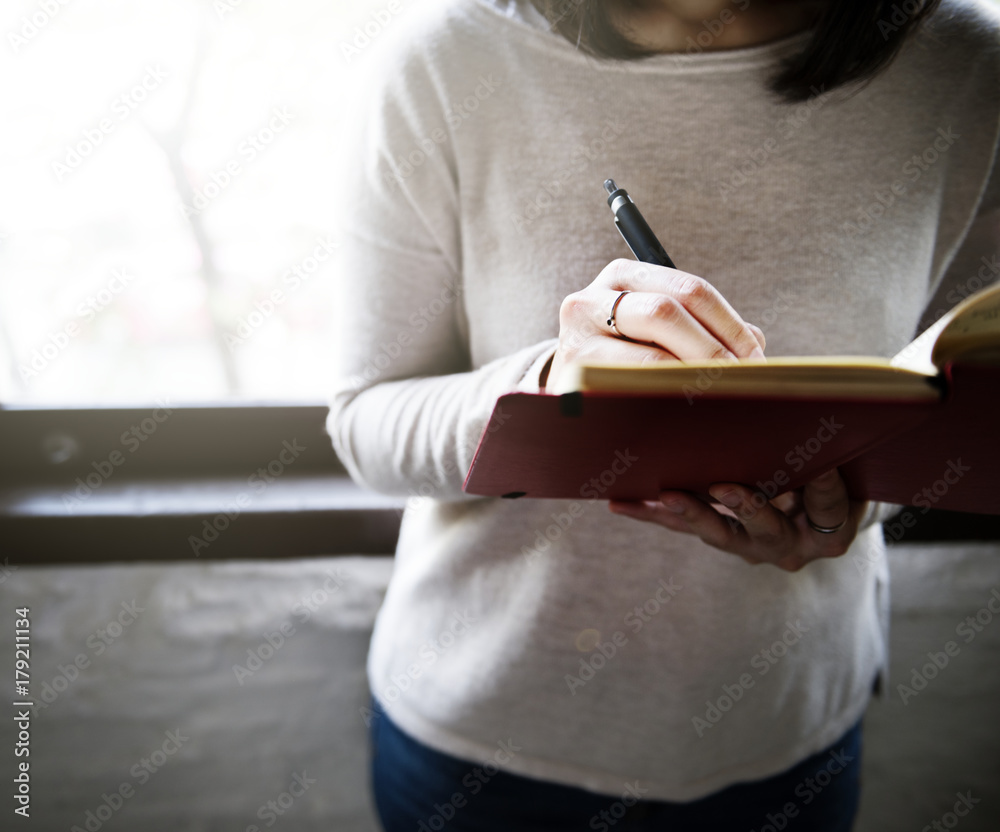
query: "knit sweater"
603, 649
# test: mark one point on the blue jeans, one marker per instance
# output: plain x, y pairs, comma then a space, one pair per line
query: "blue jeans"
419, 789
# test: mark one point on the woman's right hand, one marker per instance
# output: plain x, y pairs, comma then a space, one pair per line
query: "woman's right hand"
671, 314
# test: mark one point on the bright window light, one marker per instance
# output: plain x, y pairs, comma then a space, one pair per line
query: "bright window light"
167, 195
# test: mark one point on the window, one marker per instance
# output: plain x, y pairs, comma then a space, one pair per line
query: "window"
166, 235
166, 195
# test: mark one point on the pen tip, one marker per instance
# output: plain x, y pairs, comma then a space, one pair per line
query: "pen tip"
610, 186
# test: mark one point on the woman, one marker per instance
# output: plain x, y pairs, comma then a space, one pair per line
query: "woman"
658, 666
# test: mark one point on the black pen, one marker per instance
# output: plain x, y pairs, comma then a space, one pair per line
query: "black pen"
637, 234
634, 229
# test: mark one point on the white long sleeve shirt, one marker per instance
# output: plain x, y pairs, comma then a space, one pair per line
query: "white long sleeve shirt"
604, 649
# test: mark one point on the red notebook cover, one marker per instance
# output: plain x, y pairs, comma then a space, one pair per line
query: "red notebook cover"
632, 446
951, 460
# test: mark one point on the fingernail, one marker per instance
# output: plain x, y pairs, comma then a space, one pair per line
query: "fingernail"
757, 353
728, 498
676, 506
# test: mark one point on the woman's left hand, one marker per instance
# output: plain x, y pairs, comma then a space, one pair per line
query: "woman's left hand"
757, 529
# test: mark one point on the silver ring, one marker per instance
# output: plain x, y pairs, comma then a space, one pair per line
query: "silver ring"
823, 530
614, 309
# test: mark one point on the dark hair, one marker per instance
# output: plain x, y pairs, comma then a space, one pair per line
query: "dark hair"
852, 40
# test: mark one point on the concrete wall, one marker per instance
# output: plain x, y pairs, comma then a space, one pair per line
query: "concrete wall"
157, 646
944, 739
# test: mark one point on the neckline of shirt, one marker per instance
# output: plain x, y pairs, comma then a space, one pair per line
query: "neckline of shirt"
523, 14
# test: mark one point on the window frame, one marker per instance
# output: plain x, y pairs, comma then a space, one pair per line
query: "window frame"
191, 469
